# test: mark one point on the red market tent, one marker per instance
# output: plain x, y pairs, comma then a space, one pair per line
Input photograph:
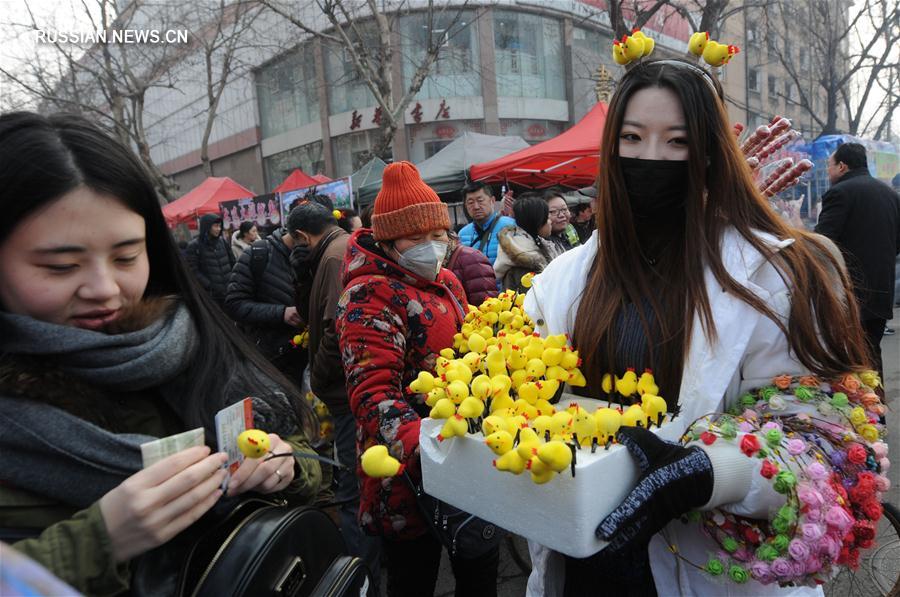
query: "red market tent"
569, 159
204, 199
321, 178
297, 179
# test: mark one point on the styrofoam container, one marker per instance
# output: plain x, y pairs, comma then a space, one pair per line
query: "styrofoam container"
561, 514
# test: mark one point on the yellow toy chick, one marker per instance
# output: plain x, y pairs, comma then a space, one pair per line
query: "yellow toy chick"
649, 42
698, 42
376, 462
510, 462
555, 454
500, 442
715, 54
627, 385
253, 443
540, 472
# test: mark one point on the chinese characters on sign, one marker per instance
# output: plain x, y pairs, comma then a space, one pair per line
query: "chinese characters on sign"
443, 110
416, 113
376, 119
356, 120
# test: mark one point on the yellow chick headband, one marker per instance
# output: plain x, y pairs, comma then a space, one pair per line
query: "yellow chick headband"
704, 74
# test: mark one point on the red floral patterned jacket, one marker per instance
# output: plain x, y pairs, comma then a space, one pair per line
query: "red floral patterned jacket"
391, 324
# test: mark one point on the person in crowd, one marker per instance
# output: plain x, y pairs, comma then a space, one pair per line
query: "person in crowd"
398, 310
365, 216
316, 229
525, 247
861, 215
562, 232
472, 269
481, 233
695, 277
350, 221
583, 214
210, 257
246, 235
261, 297
107, 342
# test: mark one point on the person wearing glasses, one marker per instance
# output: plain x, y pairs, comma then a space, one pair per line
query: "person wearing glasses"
562, 233
481, 233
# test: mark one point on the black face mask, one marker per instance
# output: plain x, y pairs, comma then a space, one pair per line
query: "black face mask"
656, 188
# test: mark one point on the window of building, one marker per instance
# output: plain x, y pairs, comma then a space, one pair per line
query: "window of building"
528, 52
752, 36
753, 80
432, 147
771, 49
352, 151
773, 87
286, 92
455, 72
347, 91
804, 59
308, 158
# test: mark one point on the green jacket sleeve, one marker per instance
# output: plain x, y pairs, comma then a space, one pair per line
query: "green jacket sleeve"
79, 552
307, 472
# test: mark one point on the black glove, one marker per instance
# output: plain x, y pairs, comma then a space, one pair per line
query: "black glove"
673, 480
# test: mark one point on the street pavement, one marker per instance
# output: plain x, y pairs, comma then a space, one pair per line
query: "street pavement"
512, 580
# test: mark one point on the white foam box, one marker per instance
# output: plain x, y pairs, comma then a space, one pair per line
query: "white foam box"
562, 514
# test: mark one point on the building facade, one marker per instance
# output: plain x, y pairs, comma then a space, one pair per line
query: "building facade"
510, 68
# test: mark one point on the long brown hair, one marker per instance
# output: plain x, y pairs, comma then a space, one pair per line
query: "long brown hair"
823, 330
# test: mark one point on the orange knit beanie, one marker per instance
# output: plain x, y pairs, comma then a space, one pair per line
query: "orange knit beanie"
405, 205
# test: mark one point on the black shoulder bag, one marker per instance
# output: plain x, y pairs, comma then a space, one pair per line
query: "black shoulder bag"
463, 534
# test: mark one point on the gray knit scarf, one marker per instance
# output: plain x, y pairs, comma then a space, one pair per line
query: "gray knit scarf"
53, 453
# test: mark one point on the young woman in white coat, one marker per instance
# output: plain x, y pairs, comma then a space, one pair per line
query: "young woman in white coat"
697, 278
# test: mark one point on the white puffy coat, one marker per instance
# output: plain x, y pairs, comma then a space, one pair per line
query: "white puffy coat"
749, 351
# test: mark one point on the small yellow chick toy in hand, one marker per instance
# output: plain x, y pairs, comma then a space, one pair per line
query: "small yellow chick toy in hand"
376, 462
253, 443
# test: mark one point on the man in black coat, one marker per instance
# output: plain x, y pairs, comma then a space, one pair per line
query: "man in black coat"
862, 216
261, 297
211, 258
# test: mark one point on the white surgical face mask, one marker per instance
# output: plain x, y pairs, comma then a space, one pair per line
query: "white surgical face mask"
424, 259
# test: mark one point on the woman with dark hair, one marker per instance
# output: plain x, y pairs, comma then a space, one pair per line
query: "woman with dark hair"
246, 235
692, 274
525, 247
107, 342
349, 221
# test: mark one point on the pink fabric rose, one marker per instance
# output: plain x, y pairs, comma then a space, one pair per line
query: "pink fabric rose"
782, 568
798, 550
838, 518
745, 427
880, 449
885, 465
817, 471
812, 565
796, 446
809, 496
813, 515
761, 572
882, 483
811, 531
831, 546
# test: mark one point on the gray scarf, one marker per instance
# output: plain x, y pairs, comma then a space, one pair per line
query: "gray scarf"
51, 452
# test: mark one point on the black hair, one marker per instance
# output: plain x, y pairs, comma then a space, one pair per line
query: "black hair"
244, 228
554, 193
43, 158
346, 216
531, 212
474, 187
320, 198
365, 215
852, 154
310, 217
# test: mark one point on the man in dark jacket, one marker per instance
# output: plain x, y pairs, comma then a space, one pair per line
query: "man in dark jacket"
862, 216
210, 257
261, 298
315, 228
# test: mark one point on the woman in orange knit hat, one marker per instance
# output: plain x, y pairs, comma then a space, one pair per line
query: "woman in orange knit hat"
398, 310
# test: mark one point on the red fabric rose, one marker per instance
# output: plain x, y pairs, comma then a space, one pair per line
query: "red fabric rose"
864, 530
861, 493
866, 544
750, 445
768, 469
708, 438
751, 535
866, 479
872, 509
857, 454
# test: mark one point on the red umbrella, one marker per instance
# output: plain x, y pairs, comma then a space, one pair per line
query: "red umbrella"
204, 199
296, 180
569, 159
